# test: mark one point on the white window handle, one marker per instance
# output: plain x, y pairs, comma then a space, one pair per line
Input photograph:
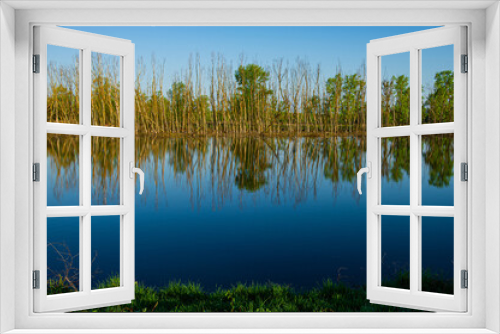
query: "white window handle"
368, 171
139, 171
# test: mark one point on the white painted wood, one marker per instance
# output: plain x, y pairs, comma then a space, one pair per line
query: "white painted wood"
86, 297
418, 129
373, 194
471, 322
127, 250
248, 4
415, 171
489, 166
433, 211
80, 211
7, 167
392, 210
258, 331
414, 297
99, 131
430, 129
419, 210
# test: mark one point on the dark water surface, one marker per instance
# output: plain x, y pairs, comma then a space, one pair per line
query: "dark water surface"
218, 211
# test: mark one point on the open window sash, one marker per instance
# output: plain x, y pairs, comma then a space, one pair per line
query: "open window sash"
85, 297
415, 297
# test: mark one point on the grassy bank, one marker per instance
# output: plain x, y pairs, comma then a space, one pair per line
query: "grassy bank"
190, 297
329, 296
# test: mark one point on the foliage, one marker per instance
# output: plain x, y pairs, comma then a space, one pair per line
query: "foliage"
289, 100
431, 282
329, 296
438, 107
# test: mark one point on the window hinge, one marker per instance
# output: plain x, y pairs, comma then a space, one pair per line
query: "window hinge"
465, 63
36, 63
464, 171
465, 279
36, 172
36, 279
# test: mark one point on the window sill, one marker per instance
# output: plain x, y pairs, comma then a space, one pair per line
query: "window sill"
252, 331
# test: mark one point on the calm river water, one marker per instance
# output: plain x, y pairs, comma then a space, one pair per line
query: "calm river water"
218, 211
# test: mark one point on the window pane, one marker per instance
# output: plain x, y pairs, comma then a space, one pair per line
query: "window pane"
437, 254
63, 247
395, 89
395, 169
105, 90
437, 170
63, 85
105, 171
63, 170
395, 251
437, 84
105, 252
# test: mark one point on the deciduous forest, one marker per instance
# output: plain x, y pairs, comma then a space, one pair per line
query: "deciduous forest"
282, 100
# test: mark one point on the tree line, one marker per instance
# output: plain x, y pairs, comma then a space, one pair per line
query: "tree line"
278, 101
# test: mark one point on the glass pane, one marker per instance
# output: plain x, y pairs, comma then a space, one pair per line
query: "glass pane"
437, 254
63, 247
63, 85
105, 171
396, 251
395, 89
395, 169
105, 252
63, 174
437, 170
437, 84
105, 90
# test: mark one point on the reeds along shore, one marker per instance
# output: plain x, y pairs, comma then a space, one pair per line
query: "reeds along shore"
279, 100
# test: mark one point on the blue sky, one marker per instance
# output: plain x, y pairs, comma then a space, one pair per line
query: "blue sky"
327, 46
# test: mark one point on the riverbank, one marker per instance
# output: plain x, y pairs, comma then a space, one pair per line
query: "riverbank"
329, 296
190, 297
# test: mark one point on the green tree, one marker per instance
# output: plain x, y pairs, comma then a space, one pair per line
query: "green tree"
349, 100
177, 96
334, 90
401, 108
253, 92
438, 107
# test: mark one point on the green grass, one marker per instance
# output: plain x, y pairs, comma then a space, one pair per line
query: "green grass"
431, 282
190, 297
329, 296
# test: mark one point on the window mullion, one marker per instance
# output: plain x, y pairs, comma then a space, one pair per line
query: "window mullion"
81, 182
414, 172
86, 158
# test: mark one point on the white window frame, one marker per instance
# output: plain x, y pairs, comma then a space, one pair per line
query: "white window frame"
124, 50
484, 233
413, 44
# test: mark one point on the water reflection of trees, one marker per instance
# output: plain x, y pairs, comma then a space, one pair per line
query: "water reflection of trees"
105, 170
437, 156
62, 162
63, 165
220, 169
395, 158
227, 168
